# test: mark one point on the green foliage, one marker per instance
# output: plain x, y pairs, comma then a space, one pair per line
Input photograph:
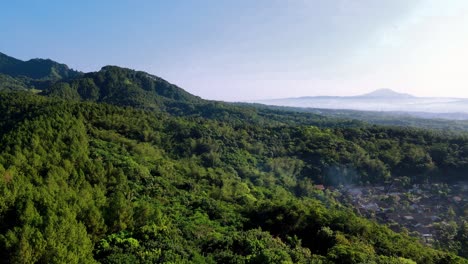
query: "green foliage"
121, 86
35, 69
8, 83
160, 176
84, 182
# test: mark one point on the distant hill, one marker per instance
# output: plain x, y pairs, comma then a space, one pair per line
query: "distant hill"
35, 69
380, 100
386, 93
7, 62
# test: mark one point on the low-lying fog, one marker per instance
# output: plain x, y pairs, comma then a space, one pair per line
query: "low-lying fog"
380, 100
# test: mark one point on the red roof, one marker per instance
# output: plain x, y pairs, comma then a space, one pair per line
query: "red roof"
320, 187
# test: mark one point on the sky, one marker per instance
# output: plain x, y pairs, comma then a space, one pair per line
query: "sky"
243, 50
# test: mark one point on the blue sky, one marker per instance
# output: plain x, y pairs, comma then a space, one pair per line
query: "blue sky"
247, 50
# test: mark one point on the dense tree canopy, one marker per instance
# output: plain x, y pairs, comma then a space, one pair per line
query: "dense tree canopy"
85, 182
120, 166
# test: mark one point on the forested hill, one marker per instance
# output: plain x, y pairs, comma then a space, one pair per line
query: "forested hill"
138, 186
119, 166
123, 87
126, 87
32, 74
36, 69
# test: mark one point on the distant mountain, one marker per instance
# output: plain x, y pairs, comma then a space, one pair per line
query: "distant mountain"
386, 93
36, 69
380, 100
112, 84
7, 62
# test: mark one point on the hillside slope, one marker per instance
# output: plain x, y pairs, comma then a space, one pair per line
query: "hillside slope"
119, 166
138, 186
35, 69
121, 86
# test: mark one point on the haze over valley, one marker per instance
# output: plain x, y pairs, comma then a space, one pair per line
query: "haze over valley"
382, 100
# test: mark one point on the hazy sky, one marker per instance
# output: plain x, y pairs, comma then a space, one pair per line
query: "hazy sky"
254, 49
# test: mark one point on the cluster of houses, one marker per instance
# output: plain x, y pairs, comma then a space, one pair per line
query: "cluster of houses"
416, 208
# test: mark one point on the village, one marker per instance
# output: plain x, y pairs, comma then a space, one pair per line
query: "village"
430, 212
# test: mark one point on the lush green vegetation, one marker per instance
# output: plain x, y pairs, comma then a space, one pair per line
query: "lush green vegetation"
448, 122
120, 166
8, 83
84, 181
35, 69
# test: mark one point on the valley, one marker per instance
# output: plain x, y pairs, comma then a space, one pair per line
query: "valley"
384, 101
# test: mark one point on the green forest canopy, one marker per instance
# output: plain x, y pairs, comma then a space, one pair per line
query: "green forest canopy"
120, 166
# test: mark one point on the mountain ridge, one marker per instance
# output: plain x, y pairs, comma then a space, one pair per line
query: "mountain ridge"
36, 69
111, 84
121, 86
126, 87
